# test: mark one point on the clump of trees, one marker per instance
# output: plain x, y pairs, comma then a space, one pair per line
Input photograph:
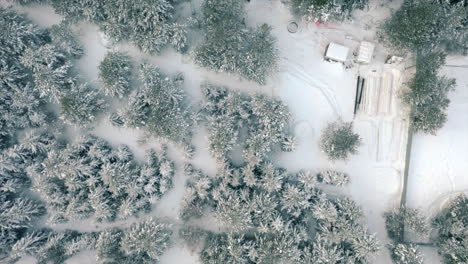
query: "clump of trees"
406, 254
76, 180
324, 10
90, 178
142, 242
230, 46
428, 29
257, 123
53, 78
270, 216
160, 106
451, 225
420, 25
122, 20
401, 221
428, 93
333, 177
145, 242
63, 38
115, 72
20, 104
17, 210
338, 141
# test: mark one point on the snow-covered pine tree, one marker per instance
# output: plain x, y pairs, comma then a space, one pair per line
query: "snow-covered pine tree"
150, 34
422, 26
333, 177
115, 72
233, 214
294, 200
289, 143
108, 246
90, 178
338, 141
428, 93
325, 10
275, 248
121, 20
28, 245
229, 46
457, 30
53, 250
269, 125
406, 254
271, 178
81, 105
146, 241
307, 179
258, 123
262, 55
63, 38
276, 225
17, 212
160, 106
198, 189
20, 105
51, 70
178, 37
451, 225
323, 252
405, 219
156, 175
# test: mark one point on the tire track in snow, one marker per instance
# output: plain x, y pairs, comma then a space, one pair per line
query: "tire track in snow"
298, 72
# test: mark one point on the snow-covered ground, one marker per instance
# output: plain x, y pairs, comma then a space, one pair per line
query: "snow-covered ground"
439, 164
317, 92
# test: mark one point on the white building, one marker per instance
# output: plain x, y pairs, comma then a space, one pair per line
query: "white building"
365, 52
336, 52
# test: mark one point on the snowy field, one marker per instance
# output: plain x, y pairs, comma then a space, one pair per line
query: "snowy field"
317, 93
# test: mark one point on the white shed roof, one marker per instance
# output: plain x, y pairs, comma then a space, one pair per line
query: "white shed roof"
337, 52
366, 50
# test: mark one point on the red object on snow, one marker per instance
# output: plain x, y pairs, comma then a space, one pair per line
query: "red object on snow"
318, 23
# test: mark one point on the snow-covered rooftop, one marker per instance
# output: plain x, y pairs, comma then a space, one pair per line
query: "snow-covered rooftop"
366, 50
337, 52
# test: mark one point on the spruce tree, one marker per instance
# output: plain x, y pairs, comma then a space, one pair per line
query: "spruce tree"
229, 46
338, 141
115, 72
428, 93
451, 224
146, 241
325, 10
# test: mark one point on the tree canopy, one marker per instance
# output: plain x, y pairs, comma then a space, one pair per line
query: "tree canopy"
338, 141
428, 93
420, 25
324, 10
230, 46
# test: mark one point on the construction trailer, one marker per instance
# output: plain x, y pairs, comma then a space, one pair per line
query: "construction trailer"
336, 53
